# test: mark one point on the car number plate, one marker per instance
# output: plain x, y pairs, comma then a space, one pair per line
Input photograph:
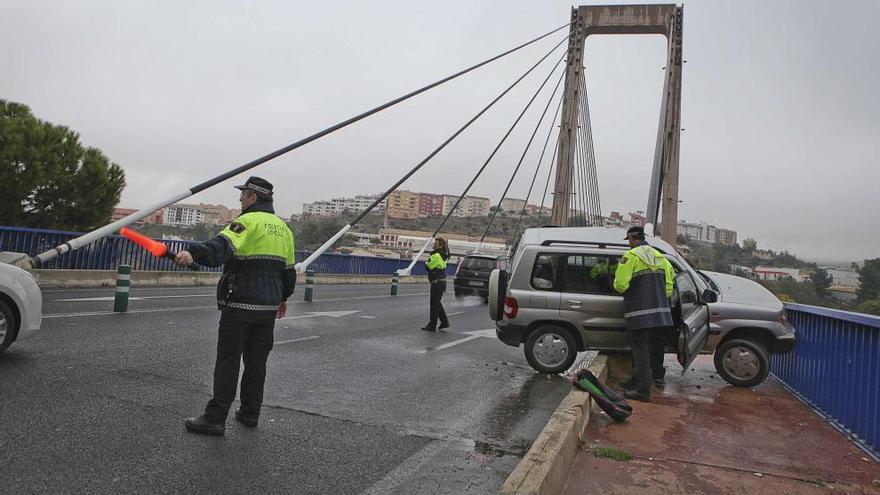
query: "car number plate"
475, 283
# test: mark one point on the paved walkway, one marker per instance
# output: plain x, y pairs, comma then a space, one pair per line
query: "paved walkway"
702, 436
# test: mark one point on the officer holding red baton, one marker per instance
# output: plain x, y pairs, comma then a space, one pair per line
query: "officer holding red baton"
257, 254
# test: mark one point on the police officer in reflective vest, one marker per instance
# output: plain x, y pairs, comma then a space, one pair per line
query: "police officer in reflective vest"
645, 277
257, 254
436, 266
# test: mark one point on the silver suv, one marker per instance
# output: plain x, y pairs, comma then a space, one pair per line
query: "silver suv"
558, 299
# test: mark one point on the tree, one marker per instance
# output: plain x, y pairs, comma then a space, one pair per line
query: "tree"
750, 245
48, 179
869, 280
821, 281
871, 307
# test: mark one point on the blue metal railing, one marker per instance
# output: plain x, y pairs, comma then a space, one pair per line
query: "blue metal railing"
111, 251
835, 368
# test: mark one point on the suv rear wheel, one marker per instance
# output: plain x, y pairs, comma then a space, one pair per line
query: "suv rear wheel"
742, 362
8, 326
550, 349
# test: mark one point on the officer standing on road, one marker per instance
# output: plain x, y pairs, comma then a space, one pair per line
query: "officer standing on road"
645, 277
436, 266
257, 252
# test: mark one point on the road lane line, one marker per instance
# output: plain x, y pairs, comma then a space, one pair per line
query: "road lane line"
96, 299
455, 314
104, 313
450, 344
297, 340
369, 297
475, 334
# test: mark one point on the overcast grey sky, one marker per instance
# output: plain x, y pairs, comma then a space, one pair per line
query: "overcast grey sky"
780, 106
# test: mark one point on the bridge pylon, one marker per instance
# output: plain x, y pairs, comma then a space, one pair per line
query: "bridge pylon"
665, 19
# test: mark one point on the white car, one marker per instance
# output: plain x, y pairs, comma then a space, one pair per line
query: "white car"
21, 304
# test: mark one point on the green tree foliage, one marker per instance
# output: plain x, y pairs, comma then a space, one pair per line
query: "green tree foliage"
750, 244
871, 307
310, 233
869, 280
821, 281
48, 179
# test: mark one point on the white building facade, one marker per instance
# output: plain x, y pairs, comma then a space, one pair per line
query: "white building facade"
338, 206
183, 215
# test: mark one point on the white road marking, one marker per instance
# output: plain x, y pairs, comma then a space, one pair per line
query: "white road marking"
372, 297
475, 334
297, 340
104, 313
107, 298
331, 314
368, 317
455, 314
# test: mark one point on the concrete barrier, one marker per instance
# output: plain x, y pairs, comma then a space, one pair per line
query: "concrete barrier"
107, 278
545, 467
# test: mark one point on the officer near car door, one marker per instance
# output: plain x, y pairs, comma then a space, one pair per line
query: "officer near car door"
436, 267
645, 278
257, 254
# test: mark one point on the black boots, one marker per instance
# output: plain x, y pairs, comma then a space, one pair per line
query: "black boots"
205, 427
431, 328
249, 421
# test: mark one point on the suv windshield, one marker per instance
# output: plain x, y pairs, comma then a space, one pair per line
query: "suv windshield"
478, 264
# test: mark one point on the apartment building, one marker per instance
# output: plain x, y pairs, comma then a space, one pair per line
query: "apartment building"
183, 215
403, 204
218, 214
338, 206
513, 205
470, 206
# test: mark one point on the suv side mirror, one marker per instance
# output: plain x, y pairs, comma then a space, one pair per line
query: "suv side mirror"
688, 297
710, 296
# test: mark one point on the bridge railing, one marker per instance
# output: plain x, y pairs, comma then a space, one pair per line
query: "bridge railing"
835, 368
113, 250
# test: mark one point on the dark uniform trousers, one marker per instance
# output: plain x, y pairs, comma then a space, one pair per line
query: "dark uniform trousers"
239, 340
647, 357
438, 288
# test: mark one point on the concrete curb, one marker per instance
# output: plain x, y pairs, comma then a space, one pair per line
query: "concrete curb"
107, 278
544, 469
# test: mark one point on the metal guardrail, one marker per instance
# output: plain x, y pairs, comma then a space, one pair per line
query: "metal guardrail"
835, 368
111, 251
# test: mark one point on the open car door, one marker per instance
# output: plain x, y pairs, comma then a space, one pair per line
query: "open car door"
691, 316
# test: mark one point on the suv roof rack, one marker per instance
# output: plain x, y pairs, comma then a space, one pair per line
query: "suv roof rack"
586, 243
596, 243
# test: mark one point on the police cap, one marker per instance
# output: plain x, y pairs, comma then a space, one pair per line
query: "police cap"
636, 231
258, 185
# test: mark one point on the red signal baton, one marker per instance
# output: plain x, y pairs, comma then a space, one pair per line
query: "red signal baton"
158, 249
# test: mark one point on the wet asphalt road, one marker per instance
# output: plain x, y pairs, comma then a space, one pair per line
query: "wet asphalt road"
358, 400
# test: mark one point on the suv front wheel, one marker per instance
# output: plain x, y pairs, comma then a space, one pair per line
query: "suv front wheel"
550, 349
742, 362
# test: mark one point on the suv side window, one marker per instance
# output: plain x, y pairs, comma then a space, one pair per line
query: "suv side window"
589, 274
687, 293
544, 273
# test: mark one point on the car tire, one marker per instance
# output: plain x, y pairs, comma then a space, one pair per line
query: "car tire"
497, 292
8, 326
550, 349
742, 362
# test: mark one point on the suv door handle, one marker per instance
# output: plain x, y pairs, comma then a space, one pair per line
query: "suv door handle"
573, 302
